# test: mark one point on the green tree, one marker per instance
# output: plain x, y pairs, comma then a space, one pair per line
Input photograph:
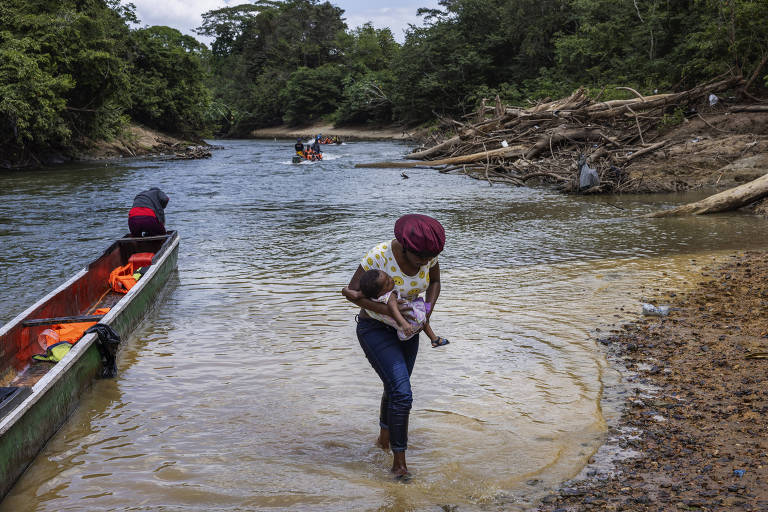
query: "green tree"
729, 35
167, 86
31, 99
84, 41
471, 44
366, 98
310, 93
258, 52
368, 85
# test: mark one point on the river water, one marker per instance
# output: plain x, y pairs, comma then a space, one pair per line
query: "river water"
245, 387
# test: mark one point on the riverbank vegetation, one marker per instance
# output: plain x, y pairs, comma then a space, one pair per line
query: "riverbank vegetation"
293, 61
75, 71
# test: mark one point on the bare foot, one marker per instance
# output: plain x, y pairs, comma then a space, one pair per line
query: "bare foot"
399, 468
383, 440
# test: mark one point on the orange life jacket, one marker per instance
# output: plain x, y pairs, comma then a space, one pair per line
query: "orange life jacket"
73, 332
121, 279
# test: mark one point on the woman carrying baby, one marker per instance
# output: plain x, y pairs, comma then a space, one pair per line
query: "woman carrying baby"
410, 260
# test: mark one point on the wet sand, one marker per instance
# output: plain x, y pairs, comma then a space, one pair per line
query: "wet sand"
692, 435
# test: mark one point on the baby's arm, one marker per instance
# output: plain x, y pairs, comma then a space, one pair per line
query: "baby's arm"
394, 312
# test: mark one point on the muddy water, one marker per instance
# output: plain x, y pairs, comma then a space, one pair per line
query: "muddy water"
246, 389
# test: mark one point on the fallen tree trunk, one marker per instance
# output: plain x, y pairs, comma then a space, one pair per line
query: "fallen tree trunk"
649, 149
393, 165
474, 157
553, 139
730, 199
434, 149
749, 108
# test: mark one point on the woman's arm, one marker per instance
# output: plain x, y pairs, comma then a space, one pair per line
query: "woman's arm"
433, 290
355, 296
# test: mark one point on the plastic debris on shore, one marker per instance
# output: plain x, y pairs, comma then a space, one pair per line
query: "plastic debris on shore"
651, 310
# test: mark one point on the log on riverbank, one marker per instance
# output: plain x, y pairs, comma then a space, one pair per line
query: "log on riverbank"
731, 199
545, 143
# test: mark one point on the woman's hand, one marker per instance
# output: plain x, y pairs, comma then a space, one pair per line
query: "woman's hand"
352, 295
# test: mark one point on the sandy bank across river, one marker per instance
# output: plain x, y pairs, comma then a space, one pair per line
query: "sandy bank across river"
363, 132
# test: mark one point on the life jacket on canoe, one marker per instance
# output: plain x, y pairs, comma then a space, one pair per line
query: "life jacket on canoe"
58, 339
312, 155
125, 277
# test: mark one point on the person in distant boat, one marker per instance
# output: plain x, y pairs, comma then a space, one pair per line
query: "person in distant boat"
147, 216
316, 145
411, 261
299, 147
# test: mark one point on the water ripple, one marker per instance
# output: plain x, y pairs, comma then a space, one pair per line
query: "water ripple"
246, 388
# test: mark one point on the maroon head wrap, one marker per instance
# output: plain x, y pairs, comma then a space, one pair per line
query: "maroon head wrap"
420, 234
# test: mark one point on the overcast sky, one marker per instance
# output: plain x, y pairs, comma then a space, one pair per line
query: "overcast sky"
184, 15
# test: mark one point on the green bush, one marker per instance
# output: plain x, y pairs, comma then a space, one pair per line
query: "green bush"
32, 100
310, 93
167, 88
366, 99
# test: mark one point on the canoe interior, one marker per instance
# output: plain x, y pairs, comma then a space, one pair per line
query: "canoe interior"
80, 296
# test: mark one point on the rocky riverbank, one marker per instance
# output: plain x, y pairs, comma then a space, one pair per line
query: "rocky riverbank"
139, 141
692, 435
134, 141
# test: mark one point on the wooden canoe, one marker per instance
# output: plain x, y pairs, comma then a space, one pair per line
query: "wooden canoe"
38, 397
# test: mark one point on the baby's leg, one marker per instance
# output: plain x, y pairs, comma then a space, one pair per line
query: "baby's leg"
429, 332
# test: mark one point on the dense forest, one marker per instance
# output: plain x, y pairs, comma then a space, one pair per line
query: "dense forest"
78, 70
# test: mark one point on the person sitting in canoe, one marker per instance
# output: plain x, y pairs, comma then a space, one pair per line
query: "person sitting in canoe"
311, 155
299, 147
316, 145
147, 216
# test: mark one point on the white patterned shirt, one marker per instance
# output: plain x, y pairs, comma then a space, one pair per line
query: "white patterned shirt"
408, 287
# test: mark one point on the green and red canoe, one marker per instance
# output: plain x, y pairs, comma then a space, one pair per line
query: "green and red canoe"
37, 398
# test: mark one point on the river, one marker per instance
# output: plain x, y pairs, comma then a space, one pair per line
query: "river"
245, 387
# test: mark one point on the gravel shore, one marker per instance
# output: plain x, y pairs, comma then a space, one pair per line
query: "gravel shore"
693, 433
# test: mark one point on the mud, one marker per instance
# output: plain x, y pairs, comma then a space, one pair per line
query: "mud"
692, 435
712, 149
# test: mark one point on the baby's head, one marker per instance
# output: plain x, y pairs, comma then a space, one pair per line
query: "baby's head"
375, 283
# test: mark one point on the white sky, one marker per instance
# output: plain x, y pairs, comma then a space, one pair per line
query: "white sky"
184, 15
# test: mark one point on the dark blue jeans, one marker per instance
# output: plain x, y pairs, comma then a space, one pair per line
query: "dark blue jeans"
393, 361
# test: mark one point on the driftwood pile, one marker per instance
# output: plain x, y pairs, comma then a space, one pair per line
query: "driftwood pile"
557, 141
193, 153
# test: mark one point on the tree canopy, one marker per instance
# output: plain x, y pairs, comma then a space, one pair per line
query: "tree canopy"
73, 70
77, 69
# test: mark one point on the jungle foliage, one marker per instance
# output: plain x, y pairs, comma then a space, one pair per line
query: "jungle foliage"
295, 61
73, 69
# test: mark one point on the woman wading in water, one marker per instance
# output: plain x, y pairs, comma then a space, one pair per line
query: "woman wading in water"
411, 260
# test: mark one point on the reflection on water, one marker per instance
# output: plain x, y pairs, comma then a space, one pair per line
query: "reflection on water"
246, 387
